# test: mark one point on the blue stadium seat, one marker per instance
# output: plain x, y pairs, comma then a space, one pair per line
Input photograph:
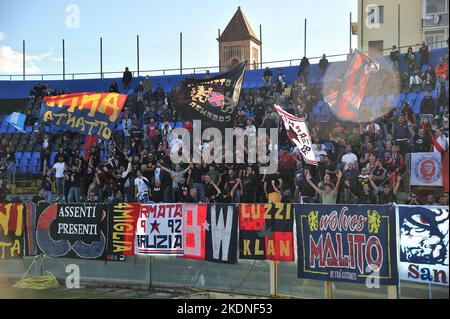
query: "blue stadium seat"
26, 155
23, 162
34, 162
22, 169
18, 155
36, 155
178, 124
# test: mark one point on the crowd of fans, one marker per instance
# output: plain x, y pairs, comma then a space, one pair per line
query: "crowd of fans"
358, 163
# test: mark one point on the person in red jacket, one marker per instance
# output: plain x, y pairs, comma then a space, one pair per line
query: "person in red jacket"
442, 69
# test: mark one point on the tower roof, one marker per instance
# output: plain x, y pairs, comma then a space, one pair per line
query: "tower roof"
238, 29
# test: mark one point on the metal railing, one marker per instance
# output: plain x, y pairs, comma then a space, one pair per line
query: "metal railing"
190, 70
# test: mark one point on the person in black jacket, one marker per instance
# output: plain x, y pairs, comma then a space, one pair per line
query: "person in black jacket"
126, 79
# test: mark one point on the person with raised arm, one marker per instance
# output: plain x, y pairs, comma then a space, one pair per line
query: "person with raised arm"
329, 194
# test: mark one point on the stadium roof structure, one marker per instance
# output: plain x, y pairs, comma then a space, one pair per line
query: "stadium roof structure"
238, 29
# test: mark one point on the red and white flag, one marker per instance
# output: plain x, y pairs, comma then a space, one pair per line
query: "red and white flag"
297, 131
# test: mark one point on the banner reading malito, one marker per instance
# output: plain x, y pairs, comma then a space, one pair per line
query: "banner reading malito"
12, 230
212, 100
122, 220
266, 231
92, 114
159, 230
354, 243
423, 244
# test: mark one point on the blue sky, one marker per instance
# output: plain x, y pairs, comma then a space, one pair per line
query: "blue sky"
44, 23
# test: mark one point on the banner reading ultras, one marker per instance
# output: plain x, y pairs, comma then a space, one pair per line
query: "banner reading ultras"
347, 243
91, 114
212, 100
159, 230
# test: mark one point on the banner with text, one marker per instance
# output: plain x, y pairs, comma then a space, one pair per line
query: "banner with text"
92, 114
12, 230
266, 231
122, 219
72, 231
221, 233
423, 244
354, 243
159, 230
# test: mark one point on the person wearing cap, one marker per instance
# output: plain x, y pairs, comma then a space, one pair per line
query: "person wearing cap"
329, 193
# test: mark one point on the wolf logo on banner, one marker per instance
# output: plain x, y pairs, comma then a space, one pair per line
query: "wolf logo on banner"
265, 232
221, 233
212, 100
52, 244
346, 243
159, 230
423, 240
12, 230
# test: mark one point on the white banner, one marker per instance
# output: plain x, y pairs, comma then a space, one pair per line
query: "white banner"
423, 244
159, 230
298, 133
426, 169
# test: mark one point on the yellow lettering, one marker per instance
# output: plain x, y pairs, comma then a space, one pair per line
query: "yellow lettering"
110, 101
80, 122
15, 249
19, 221
247, 251
258, 251
270, 248
284, 248
48, 116
4, 219
92, 100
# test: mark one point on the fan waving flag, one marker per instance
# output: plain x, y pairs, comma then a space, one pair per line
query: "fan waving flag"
297, 131
212, 100
347, 101
17, 120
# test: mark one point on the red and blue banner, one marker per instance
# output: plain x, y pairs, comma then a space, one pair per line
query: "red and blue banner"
423, 244
266, 231
353, 243
92, 114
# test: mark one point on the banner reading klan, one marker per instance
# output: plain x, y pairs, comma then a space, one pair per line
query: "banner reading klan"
266, 231
92, 114
12, 231
122, 219
159, 230
426, 169
423, 244
72, 231
212, 100
354, 243
210, 232
297, 132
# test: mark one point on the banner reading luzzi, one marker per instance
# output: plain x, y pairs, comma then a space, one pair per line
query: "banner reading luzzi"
423, 244
347, 243
159, 230
265, 231
12, 230
92, 114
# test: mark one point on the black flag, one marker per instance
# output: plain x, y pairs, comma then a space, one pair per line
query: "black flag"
212, 100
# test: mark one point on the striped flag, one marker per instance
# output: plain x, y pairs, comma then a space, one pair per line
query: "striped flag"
297, 131
347, 101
